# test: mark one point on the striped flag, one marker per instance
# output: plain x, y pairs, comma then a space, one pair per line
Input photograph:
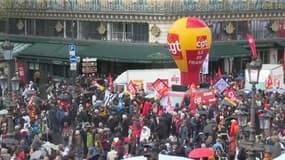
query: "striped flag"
108, 98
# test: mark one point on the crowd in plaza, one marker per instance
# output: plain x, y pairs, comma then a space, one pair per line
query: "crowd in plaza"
91, 119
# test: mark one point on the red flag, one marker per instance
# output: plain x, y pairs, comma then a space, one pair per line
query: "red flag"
231, 96
135, 129
21, 70
110, 81
219, 74
268, 83
284, 59
193, 88
266, 106
168, 101
252, 45
211, 81
131, 88
160, 87
32, 99
95, 83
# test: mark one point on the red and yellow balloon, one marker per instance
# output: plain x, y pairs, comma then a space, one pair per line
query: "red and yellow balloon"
189, 42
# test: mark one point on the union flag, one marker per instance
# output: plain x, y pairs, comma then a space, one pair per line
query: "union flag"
131, 88
231, 96
160, 87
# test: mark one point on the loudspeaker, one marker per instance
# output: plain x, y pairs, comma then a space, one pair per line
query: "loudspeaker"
179, 88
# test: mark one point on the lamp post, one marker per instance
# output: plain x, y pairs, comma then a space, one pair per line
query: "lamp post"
242, 115
3, 83
265, 122
250, 145
8, 103
15, 82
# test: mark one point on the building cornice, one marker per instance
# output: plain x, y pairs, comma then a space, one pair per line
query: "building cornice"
149, 18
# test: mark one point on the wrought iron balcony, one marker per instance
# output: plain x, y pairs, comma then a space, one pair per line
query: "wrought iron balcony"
148, 6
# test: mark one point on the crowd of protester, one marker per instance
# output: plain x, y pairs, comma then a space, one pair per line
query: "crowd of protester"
91, 119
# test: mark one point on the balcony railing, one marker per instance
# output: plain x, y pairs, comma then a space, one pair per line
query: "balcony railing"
149, 6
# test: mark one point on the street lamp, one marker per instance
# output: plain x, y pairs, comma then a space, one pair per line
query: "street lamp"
265, 122
242, 115
250, 145
3, 83
7, 47
15, 82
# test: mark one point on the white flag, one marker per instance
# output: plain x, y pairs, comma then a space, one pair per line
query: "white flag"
205, 66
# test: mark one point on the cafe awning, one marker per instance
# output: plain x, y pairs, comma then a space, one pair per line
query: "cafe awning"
103, 51
227, 50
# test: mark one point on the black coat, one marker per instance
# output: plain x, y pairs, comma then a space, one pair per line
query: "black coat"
163, 129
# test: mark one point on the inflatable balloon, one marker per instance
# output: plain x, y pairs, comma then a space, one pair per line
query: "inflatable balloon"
189, 41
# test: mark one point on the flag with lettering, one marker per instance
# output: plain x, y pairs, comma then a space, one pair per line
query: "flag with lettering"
131, 88
231, 96
252, 45
160, 87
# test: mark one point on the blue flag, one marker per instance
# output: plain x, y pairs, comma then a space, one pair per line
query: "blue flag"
119, 107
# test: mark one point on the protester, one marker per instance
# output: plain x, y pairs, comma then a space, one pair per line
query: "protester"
90, 120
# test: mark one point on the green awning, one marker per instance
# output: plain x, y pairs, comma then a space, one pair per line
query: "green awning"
281, 43
18, 47
102, 51
261, 44
123, 52
49, 51
130, 53
227, 50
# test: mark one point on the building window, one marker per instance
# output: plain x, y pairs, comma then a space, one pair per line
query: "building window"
2, 26
89, 30
71, 26
49, 28
31, 27
264, 54
260, 29
16, 26
131, 32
